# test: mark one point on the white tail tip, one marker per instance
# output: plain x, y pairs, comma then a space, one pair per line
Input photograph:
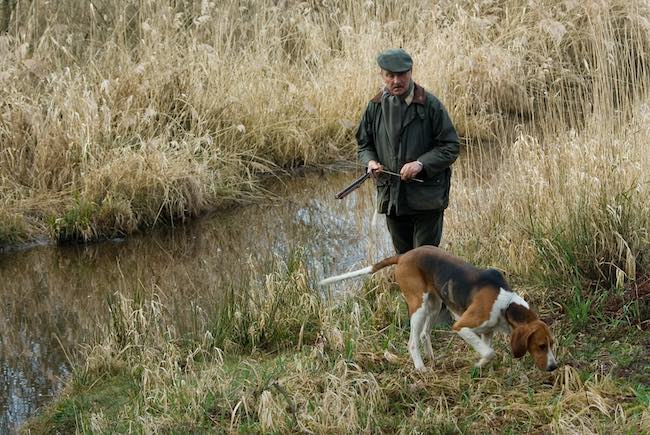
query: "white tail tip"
353, 274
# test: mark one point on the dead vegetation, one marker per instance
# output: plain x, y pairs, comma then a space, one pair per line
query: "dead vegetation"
117, 116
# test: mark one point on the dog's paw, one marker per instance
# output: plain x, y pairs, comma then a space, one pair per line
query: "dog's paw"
420, 368
482, 362
486, 359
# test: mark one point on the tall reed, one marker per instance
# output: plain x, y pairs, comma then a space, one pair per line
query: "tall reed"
120, 115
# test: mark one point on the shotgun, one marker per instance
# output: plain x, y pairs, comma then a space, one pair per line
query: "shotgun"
355, 185
359, 181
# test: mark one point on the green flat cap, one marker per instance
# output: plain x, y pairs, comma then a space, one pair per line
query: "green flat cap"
395, 60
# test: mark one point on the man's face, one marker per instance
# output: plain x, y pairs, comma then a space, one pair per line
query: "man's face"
396, 83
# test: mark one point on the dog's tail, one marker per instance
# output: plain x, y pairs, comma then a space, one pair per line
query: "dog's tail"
360, 272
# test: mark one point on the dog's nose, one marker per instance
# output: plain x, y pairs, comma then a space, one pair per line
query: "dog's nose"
551, 367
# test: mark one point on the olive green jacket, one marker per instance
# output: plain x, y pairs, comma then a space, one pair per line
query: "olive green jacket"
428, 136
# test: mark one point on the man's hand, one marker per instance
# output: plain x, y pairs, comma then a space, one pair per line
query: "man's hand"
375, 167
410, 170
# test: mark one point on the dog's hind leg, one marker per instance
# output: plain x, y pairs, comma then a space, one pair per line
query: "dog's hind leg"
425, 335
433, 304
418, 322
413, 289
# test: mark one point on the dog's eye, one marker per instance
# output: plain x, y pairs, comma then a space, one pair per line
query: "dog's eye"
542, 347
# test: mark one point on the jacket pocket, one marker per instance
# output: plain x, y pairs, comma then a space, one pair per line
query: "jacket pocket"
431, 194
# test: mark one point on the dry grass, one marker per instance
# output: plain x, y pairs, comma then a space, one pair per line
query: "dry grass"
574, 206
150, 111
355, 375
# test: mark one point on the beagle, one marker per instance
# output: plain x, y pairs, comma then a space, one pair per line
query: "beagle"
480, 301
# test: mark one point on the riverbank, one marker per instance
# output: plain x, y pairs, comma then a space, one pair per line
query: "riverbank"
280, 358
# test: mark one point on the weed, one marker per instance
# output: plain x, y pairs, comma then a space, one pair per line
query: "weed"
13, 229
578, 308
76, 224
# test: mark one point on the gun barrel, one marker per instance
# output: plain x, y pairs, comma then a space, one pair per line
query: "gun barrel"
353, 186
359, 181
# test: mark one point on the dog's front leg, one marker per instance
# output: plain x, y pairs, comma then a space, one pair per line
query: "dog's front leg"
487, 337
484, 349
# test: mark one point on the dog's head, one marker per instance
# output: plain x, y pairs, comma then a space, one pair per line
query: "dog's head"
536, 338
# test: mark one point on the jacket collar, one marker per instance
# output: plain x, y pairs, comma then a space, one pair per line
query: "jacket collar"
419, 95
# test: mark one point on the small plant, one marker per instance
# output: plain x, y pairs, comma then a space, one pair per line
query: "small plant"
76, 224
13, 229
578, 308
280, 312
642, 394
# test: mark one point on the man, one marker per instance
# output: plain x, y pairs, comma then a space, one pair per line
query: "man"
406, 130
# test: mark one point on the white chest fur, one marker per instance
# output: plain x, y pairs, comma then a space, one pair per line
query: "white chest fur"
497, 313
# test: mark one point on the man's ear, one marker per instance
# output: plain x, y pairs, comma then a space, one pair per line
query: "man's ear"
519, 340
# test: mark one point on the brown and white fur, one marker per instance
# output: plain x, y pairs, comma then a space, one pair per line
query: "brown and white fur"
480, 301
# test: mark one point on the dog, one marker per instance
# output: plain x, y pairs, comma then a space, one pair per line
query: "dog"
480, 301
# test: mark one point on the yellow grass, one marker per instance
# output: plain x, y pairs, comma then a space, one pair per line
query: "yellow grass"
354, 376
157, 111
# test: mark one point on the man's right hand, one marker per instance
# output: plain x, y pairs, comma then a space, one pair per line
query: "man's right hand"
374, 167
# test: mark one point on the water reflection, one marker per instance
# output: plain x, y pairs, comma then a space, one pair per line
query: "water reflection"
54, 298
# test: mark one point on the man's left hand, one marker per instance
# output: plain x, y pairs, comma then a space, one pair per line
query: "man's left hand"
410, 170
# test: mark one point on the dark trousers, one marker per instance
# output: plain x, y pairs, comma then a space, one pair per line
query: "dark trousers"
411, 231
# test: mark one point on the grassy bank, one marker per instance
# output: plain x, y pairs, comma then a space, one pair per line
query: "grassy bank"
280, 358
117, 116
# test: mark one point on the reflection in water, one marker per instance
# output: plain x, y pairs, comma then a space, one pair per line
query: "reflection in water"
54, 298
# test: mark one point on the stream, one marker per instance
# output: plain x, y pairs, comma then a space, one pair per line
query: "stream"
55, 297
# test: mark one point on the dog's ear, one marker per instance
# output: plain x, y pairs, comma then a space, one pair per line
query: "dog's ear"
519, 340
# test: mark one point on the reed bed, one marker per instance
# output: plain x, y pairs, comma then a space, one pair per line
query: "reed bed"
117, 116
572, 208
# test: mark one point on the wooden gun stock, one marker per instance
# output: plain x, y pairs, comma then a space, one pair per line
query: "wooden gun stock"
355, 185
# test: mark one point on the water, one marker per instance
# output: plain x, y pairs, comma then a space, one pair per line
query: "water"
55, 298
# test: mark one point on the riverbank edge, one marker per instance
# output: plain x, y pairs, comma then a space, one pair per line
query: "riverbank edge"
23, 242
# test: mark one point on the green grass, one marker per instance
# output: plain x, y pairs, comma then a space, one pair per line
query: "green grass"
107, 394
75, 224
